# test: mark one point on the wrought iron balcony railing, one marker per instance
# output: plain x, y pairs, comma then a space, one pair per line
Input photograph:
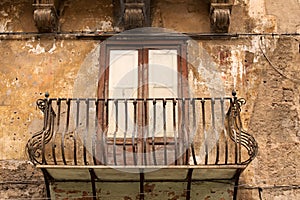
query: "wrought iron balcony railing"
142, 132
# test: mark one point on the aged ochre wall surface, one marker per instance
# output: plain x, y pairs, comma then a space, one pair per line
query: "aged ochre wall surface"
30, 66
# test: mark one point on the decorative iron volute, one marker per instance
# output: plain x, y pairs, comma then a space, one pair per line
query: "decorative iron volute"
36, 144
42, 104
220, 11
237, 103
46, 15
237, 132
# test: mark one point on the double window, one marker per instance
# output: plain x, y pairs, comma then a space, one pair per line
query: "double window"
140, 78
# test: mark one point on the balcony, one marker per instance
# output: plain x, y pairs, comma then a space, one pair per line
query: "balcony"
164, 140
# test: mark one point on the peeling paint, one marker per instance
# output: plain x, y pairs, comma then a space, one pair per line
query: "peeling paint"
3, 25
3, 13
53, 48
36, 50
105, 26
62, 44
237, 69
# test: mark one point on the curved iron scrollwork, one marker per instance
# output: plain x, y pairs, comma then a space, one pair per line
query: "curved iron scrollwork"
42, 104
238, 134
36, 144
88, 135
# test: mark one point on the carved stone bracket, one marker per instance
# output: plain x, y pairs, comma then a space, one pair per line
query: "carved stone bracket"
220, 11
135, 13
46, 15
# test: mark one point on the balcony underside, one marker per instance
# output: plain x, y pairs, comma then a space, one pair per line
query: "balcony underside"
151, 173
142, 182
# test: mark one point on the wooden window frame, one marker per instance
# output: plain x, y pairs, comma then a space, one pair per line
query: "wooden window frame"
143, 46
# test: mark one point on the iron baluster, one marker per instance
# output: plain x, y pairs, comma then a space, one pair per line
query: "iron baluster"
94, 137
145, 132
187, 131
194, 130
86, 132
104, 132
125, 131
183, 145
175, 131
216, 135
57, 129
134, 132
165, 131
204, 131
65, 132
153, 132
115, 132
224, 130
76, 129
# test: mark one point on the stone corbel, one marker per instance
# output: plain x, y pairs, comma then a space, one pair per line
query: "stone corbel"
220, 11
46, 15
135, 13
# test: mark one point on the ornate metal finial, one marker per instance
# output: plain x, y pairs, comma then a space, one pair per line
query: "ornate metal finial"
47, 94
233, 93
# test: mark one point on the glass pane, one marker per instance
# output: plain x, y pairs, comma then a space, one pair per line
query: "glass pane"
123, 83
163, 83
123, 73
163, 73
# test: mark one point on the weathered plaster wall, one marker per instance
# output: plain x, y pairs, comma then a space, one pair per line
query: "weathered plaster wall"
93, 15
267, 16
272, 110
16, 16
30, 67
153, 191
286, 14
20, 180
275, 122
171, 14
